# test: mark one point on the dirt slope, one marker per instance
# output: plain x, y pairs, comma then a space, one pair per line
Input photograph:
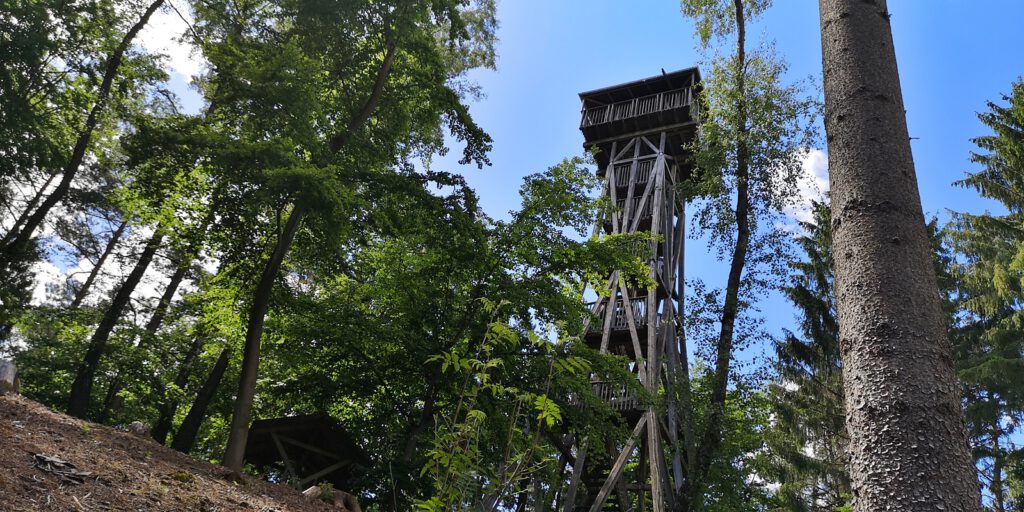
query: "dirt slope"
126, 471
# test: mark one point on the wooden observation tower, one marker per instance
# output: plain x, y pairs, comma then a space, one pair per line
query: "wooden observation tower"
640, 130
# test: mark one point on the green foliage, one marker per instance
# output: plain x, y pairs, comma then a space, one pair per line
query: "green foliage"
807, 438
779, 133
716, 19
988, 276
734, 483
754, 134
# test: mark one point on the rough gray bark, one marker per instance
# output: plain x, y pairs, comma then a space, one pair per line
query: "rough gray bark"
908, 444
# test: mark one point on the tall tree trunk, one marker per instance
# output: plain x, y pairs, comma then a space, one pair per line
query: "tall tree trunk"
154, 323
170, 405
83, 292
908, 444
996, 485
81, 388
186, 435
712, 438
12, 249
239, 433
426, 415
237, 436
160, 312
157, 319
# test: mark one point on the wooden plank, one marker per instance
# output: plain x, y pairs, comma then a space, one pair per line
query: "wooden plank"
310, 447
577, 475
284, 456
641, 363
329, 469
620, 463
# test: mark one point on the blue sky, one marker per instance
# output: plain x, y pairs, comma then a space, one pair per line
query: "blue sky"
953, 56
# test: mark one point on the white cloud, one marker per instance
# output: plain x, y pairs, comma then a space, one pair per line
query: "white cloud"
48, 285
813, 185
163, 35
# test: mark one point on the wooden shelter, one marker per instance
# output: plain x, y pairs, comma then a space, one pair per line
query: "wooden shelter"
641, 130
306, 449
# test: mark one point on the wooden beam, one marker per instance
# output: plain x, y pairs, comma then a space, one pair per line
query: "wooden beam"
311, 448
641, 364
647, 194
620, 484
609, 314
284, 456
639, 133
629, 211
655, 462
620, 463
329, 469
577, 475
618, 156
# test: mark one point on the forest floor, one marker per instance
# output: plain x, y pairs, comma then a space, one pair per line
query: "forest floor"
50, 461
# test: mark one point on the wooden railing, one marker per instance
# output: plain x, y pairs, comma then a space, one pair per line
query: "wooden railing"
619, 321
636, 107
616, 396
636, 211
643, 172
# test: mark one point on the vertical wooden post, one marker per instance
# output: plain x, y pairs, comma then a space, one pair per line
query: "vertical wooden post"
289, 469
652, 206
577, 475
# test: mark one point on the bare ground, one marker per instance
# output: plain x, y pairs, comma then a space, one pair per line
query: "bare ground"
126, 471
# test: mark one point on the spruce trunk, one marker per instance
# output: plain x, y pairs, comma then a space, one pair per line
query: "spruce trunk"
908, 444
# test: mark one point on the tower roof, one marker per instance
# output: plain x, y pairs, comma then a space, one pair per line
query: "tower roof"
661, 103
643, 87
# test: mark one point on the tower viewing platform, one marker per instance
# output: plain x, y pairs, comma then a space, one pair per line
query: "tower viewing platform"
642, 132
662, 103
